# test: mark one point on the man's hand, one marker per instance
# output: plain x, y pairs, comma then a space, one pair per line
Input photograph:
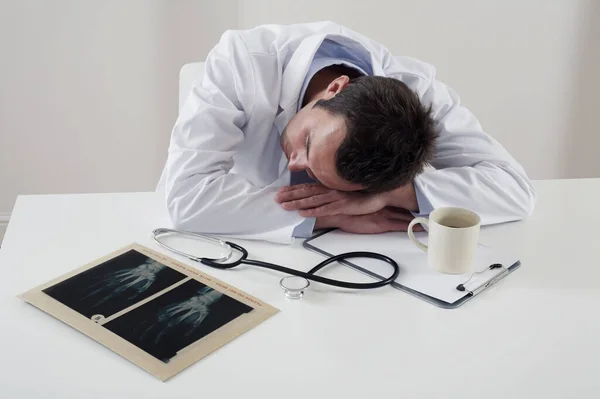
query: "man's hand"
404, 197
386, 219
316, 200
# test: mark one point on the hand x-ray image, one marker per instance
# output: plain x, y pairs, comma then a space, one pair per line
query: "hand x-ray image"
153, 310
176, 319
160, 327
114, 285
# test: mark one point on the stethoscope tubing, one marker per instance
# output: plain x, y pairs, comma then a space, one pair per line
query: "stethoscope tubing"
218, 263
310, 275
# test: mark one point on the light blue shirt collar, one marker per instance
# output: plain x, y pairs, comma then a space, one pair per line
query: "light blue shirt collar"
332, 53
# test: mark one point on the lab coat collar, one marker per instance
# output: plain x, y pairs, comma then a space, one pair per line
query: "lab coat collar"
299, 63
292, 79
296, 69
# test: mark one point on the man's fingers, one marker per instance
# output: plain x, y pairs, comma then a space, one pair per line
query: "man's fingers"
399, 220
330, 209
398, 211
397, 225
292, 188
300, 192
299, 187
398, 215
402, 225
417, 227
406, 218
314, 201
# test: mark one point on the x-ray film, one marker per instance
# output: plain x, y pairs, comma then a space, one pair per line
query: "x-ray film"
160, 314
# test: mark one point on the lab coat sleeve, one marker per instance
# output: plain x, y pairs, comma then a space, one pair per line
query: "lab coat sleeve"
470, 168
202, 195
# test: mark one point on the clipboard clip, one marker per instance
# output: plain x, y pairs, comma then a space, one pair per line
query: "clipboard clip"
492, 281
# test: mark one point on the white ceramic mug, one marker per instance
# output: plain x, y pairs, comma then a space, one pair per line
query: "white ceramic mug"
453, 238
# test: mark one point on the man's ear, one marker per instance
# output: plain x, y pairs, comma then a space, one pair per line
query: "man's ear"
336, 86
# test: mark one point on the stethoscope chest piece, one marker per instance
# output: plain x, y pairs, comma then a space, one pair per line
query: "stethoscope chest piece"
294, 286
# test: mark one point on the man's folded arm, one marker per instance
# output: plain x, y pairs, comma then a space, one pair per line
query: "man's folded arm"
471, 169
202, 194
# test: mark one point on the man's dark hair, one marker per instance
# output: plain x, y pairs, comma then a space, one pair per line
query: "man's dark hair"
390, 133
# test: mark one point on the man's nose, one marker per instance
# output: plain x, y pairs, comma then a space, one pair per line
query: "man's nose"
297, 163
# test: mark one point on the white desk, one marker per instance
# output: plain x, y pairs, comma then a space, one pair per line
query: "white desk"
534, 335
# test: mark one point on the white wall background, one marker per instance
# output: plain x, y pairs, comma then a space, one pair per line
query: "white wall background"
526, 68
88, 89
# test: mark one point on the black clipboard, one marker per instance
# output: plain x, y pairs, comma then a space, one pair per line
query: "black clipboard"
469, 294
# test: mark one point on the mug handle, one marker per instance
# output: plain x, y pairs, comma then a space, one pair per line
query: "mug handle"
411, 235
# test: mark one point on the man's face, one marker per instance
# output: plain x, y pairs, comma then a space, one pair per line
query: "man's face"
310, 141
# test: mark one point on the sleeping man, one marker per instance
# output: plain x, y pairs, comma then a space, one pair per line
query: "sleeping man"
308, 126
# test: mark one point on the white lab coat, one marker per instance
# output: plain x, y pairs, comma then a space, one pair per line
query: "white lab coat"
225, 164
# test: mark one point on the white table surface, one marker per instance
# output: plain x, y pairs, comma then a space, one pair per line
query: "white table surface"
534, 335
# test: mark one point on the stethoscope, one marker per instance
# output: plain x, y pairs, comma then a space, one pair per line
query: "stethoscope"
297, 281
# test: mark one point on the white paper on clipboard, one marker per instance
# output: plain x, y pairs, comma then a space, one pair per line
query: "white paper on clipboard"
414, 271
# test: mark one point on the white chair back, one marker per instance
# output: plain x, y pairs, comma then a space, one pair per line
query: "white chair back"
188, 74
